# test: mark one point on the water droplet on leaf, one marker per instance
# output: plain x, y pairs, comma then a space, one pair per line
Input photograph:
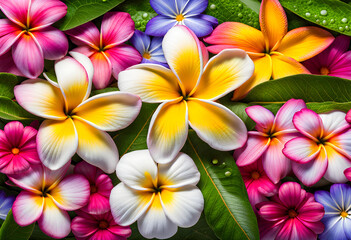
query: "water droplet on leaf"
145, 15
228, 173
324, 22
240, 15
213, 6
308, 14
344, 20
324, 12
332, 20
341, 29
215, 161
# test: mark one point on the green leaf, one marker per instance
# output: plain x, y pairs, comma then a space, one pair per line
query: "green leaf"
244, 11
227, 207
10, 110
82, 11
140, 11
321, 93
10, 230
332, 14
105, 90
7, 83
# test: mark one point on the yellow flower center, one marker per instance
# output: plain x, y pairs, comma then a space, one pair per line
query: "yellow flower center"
15, 151
255, 175
146, 55
180, 17
324, 71
344, 214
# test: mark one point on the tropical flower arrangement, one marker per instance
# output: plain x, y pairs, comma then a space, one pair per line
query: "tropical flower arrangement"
174, 119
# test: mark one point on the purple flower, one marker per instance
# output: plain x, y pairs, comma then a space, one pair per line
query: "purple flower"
6, 202
180, 12
150, 48
333, 61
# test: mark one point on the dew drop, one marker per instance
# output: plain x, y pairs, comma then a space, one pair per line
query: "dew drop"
316, 16
104, 0
341, 29
324, 12
240, 5
324, 22
137, 24
228, 173
240, 15
317, 20
347, 28
308, 14
344, 20
145, 15
215, 161
213, 6
332, 20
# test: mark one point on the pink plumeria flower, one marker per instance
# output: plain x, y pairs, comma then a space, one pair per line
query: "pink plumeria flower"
100, 188
348, 116
257, 183
28, 33
323, 149
46, 197
291, 214
18, 148
347, 173
106, 49
269, 139
102, 226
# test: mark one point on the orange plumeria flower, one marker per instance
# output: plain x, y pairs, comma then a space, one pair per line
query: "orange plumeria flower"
275, 51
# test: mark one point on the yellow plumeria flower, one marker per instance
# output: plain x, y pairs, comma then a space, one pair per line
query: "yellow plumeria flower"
160, 197
74, 122
188, 92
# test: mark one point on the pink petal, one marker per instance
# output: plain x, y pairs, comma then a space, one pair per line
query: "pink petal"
308, 123
294, 229
45, 13
87, 170
268, 229
83, 227
347, 173
104, 185
30, 155
348, 116
103, 234
311, 212
275, 164
291, 194
301, 149
16, 11
86, 34
5, 159
102, 70
122, 57
29, 135
255, 196
31, 180
284, 116
123, 231
71, 193
272, 211
262, 116
85, 50
16, 165
7, 64
97, 204
255, 146
116, 28
14, 132
316, 227
53, 42
28, 56
8, 40
27, 208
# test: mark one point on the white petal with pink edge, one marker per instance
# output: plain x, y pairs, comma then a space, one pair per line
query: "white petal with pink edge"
168, 130
183, 206
255, 146
308, 123
96, 147
27, 208
138, 170
341, 143
57, 142
301, 149
87, 64
127, 205
41, 99
71, 193
337, 164
284, 116
54, 222
262, 117
110, 111
86, 34
31, 180
53, 177
334, 123
181, 172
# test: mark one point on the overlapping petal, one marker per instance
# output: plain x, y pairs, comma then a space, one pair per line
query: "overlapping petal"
202, 25
301, 149
86, 34
337, 164
308, 123
283, 66
253, 149
159, 25
263, 118
44, 14
102, 70
285, 114
16, 11
27, 208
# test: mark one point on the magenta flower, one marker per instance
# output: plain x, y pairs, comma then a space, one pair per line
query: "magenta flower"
95, 227
292, 214
46, 197
269, 139
18, 148
28, 33
323, 149
347, 173
107, 50
100, 188
257, 184
333, 61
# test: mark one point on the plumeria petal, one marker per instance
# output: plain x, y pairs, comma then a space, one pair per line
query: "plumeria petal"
158, 26
273, 22
44, 14
73, 81
102, 70
253, 149
110, 111
41, 98
337, 164
137, 170
347, 173
155, 223
153, 83
202, 25
236, 35
92, 142
168, 130
305, 42
127, 205
16, 11
301, 149
308, 123
62, 145
223, 74
54, 222
9, 34
27, 208
178, 173
285, 114
86, 34
53, 43
333, 123
262, 73
262, 117
216, 125
29, 180
186, 64
7, 64
53, 177
28, 56
284, 66
87, 64
83, 227
116, 28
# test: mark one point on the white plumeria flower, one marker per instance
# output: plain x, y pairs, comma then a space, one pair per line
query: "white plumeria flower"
160, 197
